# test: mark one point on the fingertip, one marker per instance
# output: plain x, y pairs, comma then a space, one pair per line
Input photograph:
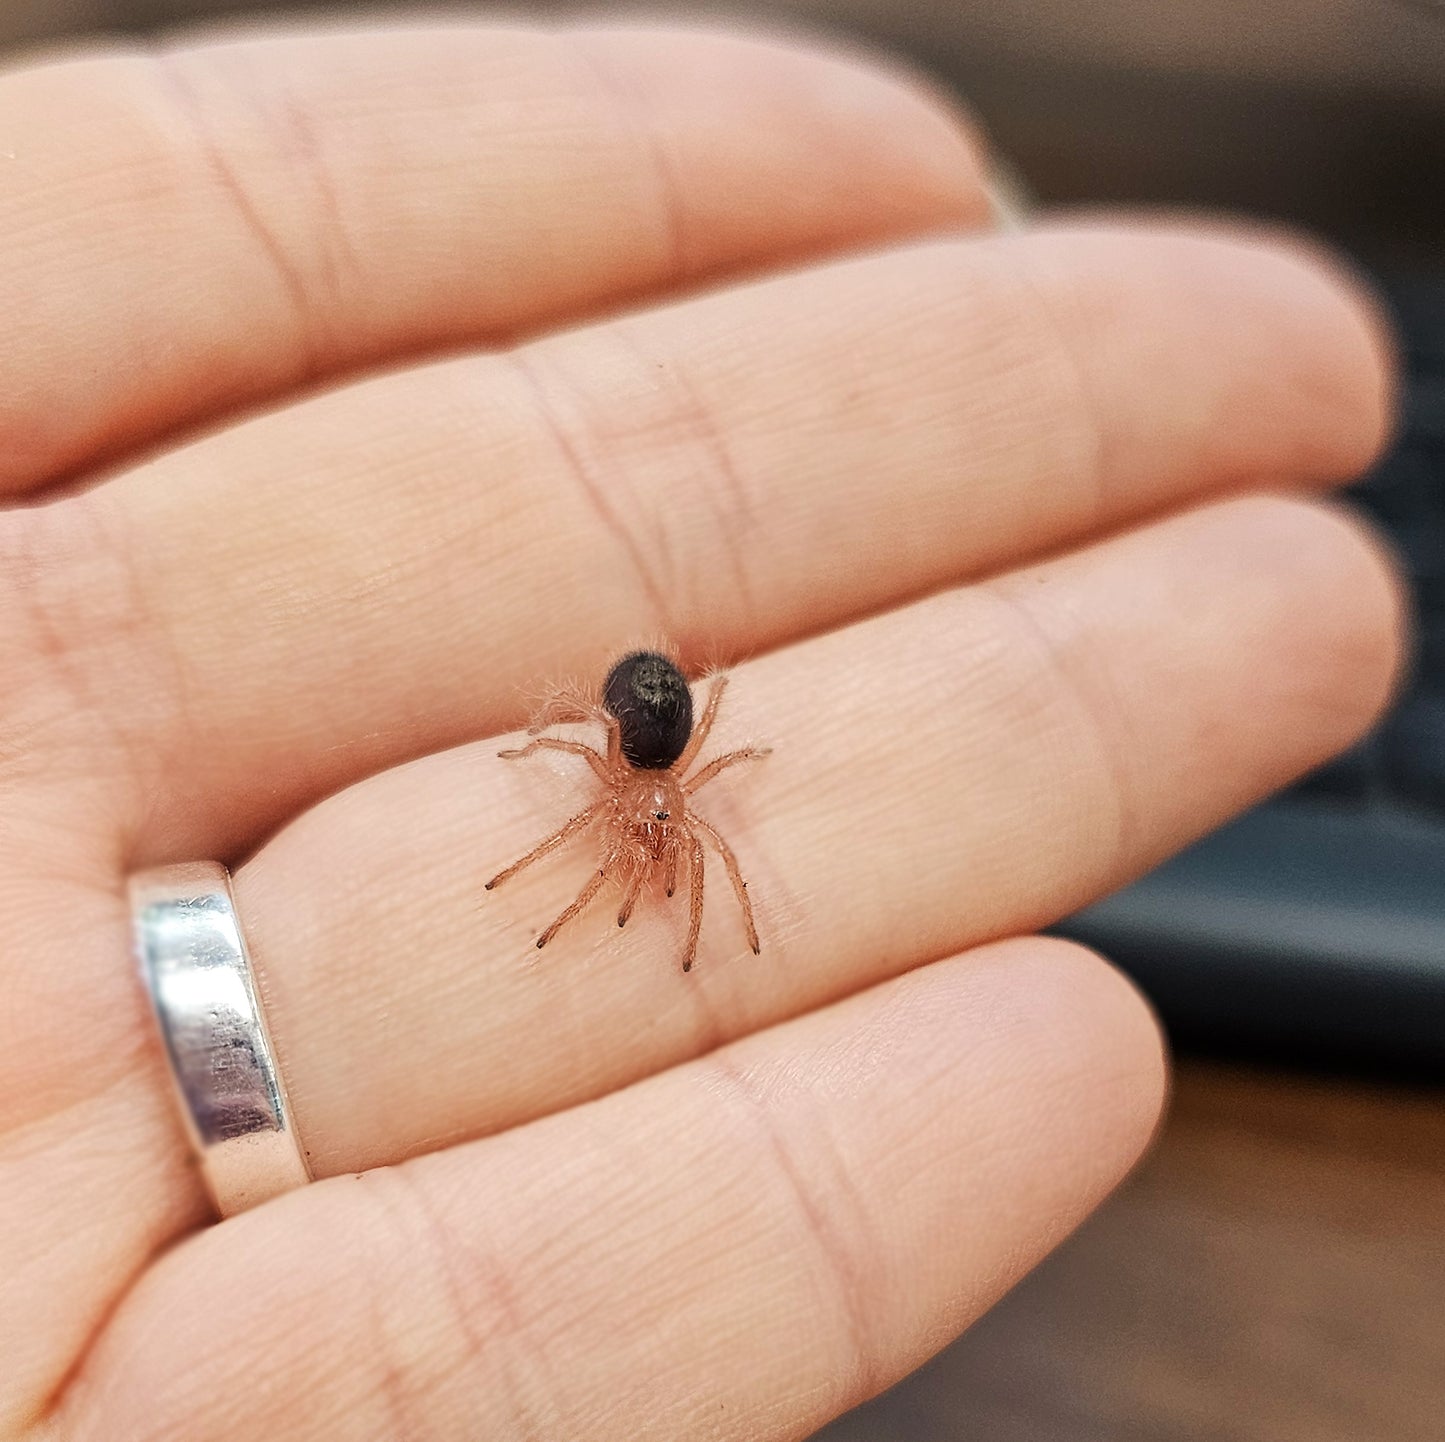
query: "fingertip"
1335, 341
1341, 604
1355, 352
1095, 1075
895, 152
1122, 1035
1308, 400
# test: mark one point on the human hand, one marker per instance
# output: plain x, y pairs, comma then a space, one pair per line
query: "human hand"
737, 363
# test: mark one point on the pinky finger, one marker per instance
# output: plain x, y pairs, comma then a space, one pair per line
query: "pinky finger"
743, 1247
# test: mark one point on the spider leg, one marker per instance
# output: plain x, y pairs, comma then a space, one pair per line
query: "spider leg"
554, 743
614, 742
629, 898
735, 875
704, 725
673, 852
578, 823
584, 899
694, 914
721, 763
570, 704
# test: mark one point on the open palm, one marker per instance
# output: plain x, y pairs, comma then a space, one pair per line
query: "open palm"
358, 386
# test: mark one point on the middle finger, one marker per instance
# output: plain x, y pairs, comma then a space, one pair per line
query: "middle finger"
400, 558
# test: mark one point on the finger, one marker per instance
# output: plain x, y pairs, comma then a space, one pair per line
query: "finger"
742, 1248
977, 765
255, 215
404, 558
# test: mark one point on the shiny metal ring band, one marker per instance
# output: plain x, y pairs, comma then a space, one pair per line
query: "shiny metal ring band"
193, 959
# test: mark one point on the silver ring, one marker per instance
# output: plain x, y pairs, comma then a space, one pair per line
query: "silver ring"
193, 961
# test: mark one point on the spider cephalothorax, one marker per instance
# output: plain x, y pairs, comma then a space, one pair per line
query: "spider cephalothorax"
647, 827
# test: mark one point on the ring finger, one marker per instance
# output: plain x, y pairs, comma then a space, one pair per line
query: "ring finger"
973, 766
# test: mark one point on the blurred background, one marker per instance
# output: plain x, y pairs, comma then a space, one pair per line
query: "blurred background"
1276, 1271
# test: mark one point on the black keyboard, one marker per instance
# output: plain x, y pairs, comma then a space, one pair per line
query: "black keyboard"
1314, 927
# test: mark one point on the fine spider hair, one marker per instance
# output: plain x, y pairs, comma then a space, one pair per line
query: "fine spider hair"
648, 829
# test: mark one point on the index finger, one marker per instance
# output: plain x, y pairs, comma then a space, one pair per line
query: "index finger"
188, 230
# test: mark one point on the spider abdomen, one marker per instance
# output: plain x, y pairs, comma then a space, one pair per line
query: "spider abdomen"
650, 700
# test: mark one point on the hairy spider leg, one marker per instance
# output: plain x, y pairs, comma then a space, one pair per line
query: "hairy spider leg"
553, 743
584, 900
614, 741
629, 897
735, 875
674, 851
747, 753
568, 705
704, 725
572, 705
578, 823
694, 913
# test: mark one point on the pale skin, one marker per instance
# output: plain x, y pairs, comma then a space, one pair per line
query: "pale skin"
731, 355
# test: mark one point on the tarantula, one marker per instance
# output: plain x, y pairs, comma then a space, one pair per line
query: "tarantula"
648, 827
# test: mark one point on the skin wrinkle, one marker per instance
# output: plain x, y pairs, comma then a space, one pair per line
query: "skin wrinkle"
297, 142
734, 520
190, 109
103, 1307
338, 257
112, 1016
479, 1341
65, 621
842, 1261
634, 119
1125, 827
593, 490
116, 1149
390, 1382
1093, 461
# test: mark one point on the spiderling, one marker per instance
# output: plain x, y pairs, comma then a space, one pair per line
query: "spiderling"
646, 825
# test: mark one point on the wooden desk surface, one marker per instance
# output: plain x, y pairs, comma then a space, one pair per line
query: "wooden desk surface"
1274, 1273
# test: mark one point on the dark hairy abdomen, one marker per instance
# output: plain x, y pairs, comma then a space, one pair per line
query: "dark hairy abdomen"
649, 697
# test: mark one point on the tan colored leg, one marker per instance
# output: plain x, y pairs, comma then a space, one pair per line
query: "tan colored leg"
565, 707
614, 742
735, 875
572, 705
629, 899
553, 743
699, 732
748, 753
578, 823
694, 916
584, 899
